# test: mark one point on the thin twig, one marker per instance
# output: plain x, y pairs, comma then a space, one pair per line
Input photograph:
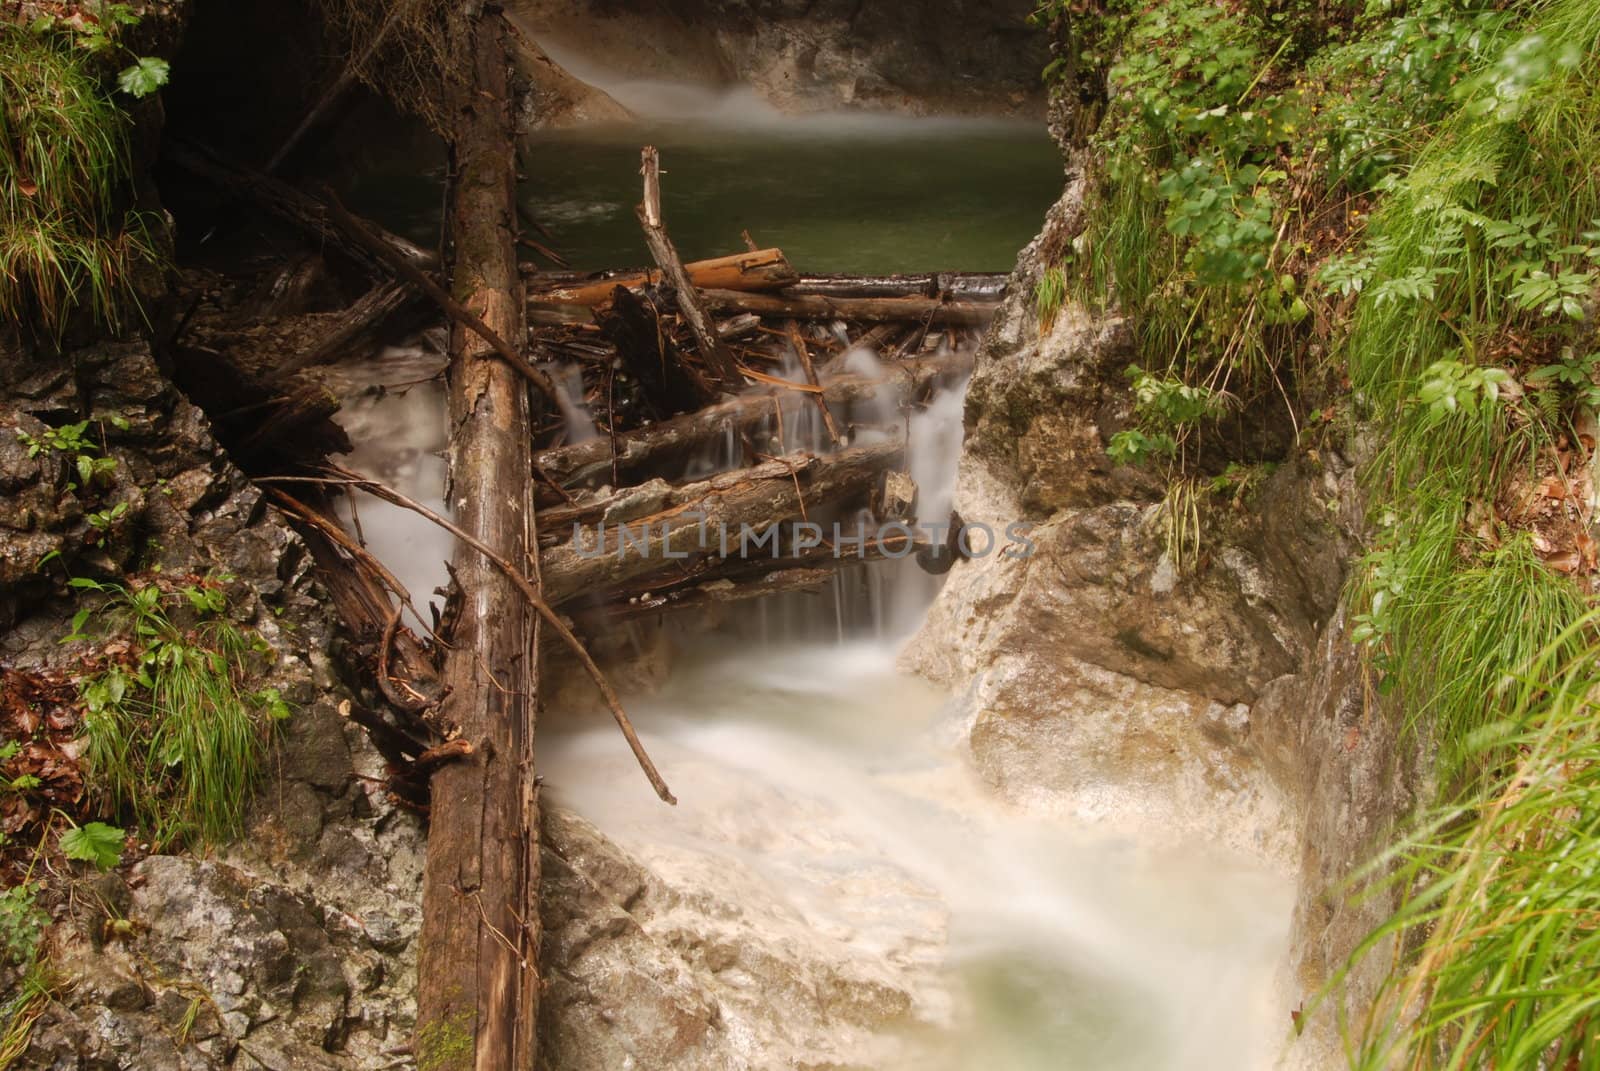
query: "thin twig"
415, 702
529, 592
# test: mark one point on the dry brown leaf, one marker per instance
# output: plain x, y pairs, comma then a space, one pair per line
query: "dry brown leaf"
1587, 551
1568, 563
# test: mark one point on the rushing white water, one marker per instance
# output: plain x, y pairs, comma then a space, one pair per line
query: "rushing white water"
394, 412
843, 792
843, 785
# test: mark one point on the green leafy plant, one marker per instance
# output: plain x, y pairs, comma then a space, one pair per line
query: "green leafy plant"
146, 75
22, 923
175, 735
1449, 387
14, 782
84, 454
97, 28
105, 519
94, 842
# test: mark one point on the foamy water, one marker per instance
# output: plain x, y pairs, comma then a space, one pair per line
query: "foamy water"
846, 787
842, 795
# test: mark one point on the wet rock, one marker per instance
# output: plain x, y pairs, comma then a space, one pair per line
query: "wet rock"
553, 98
972, 57
670, 967
1222, 704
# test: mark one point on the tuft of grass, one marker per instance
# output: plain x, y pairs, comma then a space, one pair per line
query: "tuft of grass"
34, 991
1500, 893
1494, 618
175, 736
1049, 296
64, 242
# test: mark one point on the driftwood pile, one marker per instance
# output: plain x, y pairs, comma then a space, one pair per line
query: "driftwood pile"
669, 365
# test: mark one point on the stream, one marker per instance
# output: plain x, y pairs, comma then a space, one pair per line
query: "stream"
828, 790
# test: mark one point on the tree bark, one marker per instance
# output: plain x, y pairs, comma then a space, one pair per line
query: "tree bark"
478, 982
859, 310
712, 350
958, 286
761, 269
687, 524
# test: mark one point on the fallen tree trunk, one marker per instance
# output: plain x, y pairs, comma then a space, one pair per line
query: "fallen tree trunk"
709, 519
726, 580
702, 593
675, 441
978, 287
478, 981
859, 310
763, 269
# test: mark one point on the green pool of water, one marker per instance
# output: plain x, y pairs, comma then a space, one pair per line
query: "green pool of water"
836, 194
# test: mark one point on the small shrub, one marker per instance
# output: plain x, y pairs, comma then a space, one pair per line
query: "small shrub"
175, 734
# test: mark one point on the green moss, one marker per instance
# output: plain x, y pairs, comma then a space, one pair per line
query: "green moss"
446, 1045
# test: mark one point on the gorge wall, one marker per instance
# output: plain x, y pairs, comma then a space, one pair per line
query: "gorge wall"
917, 57
1221, 703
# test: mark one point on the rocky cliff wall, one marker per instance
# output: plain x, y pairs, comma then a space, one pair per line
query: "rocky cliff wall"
918, 57
1221, 704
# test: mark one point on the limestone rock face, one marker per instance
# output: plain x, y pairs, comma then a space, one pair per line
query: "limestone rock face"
919, 57
292, 949
1218, 704
690, 964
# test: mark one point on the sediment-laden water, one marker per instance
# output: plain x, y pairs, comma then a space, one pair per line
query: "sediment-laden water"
834, 793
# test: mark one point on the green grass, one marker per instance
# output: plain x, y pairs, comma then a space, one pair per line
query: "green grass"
1500, 894
22, 1008
1532, 162
1439, 213
176, 737
64, 242
1489, 653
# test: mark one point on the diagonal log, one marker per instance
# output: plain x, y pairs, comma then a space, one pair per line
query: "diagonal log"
689, 523
712, 349
673, 442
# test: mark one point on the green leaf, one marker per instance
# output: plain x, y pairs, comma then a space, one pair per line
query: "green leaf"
95, 843
144, 77
277, 709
